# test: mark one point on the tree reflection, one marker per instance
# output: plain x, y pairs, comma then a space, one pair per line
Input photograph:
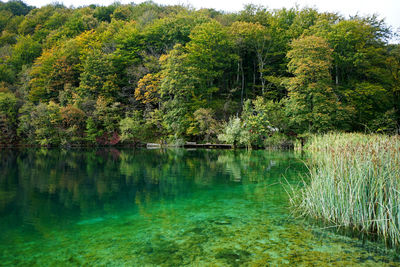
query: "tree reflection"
50, 186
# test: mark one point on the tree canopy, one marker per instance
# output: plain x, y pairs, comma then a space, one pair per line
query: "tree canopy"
149, 73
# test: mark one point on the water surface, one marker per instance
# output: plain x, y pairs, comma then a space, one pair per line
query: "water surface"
124, 207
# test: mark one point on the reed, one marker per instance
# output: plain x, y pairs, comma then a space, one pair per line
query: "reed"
354, 183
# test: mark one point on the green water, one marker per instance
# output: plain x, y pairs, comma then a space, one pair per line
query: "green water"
124, 207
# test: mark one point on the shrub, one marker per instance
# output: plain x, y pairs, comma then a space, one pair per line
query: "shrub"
234, 133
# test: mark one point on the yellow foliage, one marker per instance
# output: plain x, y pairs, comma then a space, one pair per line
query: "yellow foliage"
147, 90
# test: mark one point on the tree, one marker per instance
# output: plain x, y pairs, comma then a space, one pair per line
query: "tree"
8, 118
246, 35
6, 74
25, 130
42, 123
177, 79
54, 71
162, 35
34, 23
131, 127
209, 53
147, 90
73, 122
393, 64
103, 13
122, 12
92, 133
80, 21
106, 119
312, 103
25, 51
98, 77
5, 16
294, 70
16, 7
204, 125
177, 88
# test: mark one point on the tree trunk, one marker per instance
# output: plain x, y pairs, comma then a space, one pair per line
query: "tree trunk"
261, 64
337, 76
238, 71
254, 76
241, 94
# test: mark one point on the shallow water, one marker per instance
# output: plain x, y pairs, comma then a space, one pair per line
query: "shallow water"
123, 207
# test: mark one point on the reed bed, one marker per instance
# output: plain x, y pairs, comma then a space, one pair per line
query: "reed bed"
354, 183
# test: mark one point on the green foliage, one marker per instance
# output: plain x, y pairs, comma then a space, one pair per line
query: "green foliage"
131, 127
5, 16
34, 23
155, 126
6, 74
98, 77
387, 123
25, 129
359, 67
53, 73
312, 103
165, 33
177, 79
279, 141
7, 38
91, 131
103, 13
24, 52
73, 123
369, 100
46, 123
177, 117
204, 125
79, 22
107, 114
8, 118
234, 133
257, 123
122, 12
274, 112
209, 51
16, 7
185, 70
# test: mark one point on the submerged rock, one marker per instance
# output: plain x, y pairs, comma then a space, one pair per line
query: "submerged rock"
91, 221
233, 256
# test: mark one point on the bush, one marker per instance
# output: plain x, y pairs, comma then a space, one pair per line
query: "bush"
234, 133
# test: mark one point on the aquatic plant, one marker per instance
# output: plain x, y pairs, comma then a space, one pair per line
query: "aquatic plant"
354, 183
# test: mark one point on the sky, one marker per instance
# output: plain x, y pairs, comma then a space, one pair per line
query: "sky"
387, 9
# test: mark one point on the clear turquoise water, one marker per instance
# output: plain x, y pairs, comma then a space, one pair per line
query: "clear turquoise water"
124, 207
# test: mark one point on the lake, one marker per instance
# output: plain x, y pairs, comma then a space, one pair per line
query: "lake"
174, 207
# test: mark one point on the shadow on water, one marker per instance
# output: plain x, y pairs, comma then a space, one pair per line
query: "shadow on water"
160, 208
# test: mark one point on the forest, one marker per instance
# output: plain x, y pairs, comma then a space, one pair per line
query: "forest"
134, 73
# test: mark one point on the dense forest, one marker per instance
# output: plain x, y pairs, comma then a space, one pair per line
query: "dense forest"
105, 75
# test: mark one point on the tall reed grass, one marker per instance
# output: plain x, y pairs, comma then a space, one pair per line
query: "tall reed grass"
354, 183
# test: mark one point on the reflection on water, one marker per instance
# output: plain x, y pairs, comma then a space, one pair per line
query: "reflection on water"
160, 208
